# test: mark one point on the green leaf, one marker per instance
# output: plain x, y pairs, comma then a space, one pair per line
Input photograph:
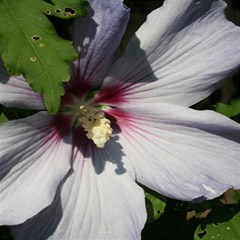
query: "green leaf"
155, 204
221, 224
30, 46
3, 118
66, 8
229, 110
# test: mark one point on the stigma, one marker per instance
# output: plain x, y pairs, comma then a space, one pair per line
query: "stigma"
95, 124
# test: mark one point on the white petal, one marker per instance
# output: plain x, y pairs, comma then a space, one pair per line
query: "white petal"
15, 92
97, 37
34, 159
96, 203
180, 152
179, 55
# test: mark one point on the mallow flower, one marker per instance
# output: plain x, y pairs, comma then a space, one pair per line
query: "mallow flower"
124, 119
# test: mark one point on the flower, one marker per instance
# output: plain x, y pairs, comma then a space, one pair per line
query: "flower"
123, 119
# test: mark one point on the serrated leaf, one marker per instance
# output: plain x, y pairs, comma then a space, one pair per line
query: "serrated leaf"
221, 224
229, 110
155, 204
66, 9
30, 46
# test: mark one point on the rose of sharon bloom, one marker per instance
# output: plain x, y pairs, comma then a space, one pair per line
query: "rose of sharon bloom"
123, 119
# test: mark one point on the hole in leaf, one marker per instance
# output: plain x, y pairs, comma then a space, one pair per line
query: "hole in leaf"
202, 234
36, 38
33, 59
58, 10
48, 12
69, 11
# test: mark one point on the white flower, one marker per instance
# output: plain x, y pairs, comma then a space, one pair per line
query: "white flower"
73, 175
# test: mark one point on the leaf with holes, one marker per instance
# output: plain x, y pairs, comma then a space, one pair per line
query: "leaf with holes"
30, 46
66, 8
222, 223
155, 204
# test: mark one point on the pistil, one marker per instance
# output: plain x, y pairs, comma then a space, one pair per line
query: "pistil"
94, 122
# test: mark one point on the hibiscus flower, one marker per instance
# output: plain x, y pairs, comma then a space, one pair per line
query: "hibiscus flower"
124, 119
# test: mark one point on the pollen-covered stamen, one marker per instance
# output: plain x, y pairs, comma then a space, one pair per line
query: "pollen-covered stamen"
93, 121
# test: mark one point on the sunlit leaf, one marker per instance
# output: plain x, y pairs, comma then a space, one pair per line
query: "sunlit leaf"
229, 110
221, 224
30, 46
66, 8
155, 204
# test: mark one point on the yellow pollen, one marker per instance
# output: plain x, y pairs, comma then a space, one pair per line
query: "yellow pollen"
95, 124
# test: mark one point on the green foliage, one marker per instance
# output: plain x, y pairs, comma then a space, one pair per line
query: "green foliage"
222, 223
30, 46
66, 8
3, 118
229, 110
155, 204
